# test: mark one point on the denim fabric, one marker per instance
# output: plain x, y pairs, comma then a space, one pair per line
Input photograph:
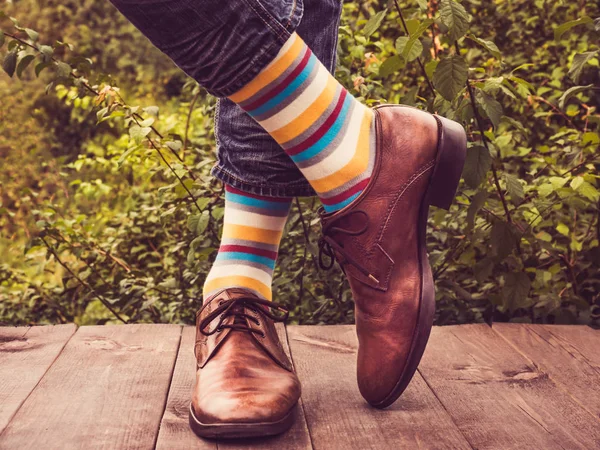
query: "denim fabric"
222, 44
248, 158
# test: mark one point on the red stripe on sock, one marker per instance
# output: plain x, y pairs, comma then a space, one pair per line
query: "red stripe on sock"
252, 250
322, 129
233, 190
285, 83
346, 194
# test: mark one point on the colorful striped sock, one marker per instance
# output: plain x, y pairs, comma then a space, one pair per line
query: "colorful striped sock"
327, 132
252, 230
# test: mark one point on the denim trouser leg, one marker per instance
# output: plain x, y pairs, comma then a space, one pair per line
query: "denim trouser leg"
248, 157
223, 44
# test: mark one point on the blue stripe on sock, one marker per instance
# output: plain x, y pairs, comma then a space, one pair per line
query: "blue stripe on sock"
328, 137
342, 204
241, 256
251, 201
301, 78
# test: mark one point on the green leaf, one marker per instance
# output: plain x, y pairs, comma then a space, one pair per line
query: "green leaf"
391, 65
33, 35
413, 41
10, 63
563, 229
147, 122
573, 91
477, 203
562, 29
63, 70
430, 67
374, 23
413, 52
23, 63
423, 4
516, 289
152, 110
490, 46
477, 164
455, 17
579, 61
491, 106
450, 76
39, 67
502, 239
576, 182
2, 38
46, 50
126, 154
174, 145
483, 269
514, 187
588, 191
203, 221
138, 133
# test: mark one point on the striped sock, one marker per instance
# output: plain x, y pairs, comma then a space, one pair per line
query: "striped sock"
327, 132
252, 230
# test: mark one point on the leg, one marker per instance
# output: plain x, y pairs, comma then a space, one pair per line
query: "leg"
376, 172
249, 159
235, 330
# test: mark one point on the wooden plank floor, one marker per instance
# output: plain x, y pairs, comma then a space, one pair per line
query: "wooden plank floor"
509, 386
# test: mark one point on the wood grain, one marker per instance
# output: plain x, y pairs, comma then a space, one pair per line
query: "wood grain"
338, 417
569, 354
26, 353
174, 429
497, 398
107, 389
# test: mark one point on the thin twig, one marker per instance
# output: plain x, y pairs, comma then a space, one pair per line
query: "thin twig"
429, 84
187, 122
81, 282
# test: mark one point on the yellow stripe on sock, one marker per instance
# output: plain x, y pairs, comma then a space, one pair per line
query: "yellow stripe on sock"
357, 165
267, 76
251, 234
310, 115
247, 282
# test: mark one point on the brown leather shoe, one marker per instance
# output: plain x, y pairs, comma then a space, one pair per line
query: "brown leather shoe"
245, 384
379, 240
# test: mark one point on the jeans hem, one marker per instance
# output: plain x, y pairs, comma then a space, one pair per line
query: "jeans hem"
302, 189
281, 33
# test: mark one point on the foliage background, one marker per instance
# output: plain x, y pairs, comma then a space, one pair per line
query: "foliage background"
108, 213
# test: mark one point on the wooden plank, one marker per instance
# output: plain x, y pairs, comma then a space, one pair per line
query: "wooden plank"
569, 354
26, 353
497, 398
106, 389
174, 429
338, 417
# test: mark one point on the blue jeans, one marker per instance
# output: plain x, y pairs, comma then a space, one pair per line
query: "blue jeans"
223, 44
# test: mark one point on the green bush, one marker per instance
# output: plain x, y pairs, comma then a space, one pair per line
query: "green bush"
109, 213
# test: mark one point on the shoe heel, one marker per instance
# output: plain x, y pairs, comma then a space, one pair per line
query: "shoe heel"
452, 150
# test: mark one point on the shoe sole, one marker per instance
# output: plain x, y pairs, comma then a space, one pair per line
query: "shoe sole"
443, 183
241, 430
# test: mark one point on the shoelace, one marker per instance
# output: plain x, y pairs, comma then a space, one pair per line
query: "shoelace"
327, 245
235, 308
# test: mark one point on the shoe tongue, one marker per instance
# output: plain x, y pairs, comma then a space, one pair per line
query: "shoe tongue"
237, 318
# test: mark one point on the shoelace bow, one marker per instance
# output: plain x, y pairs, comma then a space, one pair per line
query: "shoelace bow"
328, 246
235, 308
